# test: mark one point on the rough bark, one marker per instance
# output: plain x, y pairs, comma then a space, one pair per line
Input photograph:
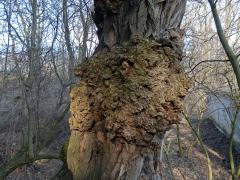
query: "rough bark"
126, 100
130, 93
120, 20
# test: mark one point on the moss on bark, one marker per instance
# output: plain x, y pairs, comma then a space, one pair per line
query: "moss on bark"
128, 95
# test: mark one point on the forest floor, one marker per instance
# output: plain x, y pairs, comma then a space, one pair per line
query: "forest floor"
192, 165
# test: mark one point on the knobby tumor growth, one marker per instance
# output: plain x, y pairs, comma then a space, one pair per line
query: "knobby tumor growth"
131, 90
132, 94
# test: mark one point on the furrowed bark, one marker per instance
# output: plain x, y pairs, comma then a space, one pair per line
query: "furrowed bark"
131, 91
126, 100
120, 20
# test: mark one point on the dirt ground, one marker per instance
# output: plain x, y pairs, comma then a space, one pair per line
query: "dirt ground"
193, 164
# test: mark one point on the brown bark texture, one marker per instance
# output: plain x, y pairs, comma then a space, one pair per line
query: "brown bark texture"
130, 93
120, 20
127, 98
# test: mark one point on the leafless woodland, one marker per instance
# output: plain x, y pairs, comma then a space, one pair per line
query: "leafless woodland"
42, 41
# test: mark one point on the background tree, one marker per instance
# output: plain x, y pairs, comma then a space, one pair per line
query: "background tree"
204, 60
36, 81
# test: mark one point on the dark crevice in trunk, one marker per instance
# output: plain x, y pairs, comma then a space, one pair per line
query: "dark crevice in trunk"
119, 21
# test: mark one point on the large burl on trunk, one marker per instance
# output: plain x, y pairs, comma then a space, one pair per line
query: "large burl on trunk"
126, 100
130, 93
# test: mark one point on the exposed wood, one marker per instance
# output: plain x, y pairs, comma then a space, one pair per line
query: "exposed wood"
126, 100
129, 96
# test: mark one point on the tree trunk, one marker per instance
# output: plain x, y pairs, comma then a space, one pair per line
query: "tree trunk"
129, 96
120, 20
33, 82
68, 42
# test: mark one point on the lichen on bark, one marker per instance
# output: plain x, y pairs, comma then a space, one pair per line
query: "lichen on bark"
126, 100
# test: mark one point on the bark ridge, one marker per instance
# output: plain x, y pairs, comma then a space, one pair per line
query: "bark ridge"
120, 20
127, 98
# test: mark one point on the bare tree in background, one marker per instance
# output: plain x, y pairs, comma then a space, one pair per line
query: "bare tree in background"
35, 81
68, 41
35, 78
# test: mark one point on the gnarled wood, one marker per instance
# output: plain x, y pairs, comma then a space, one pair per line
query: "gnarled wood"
126, 100
129, 96
120, 20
